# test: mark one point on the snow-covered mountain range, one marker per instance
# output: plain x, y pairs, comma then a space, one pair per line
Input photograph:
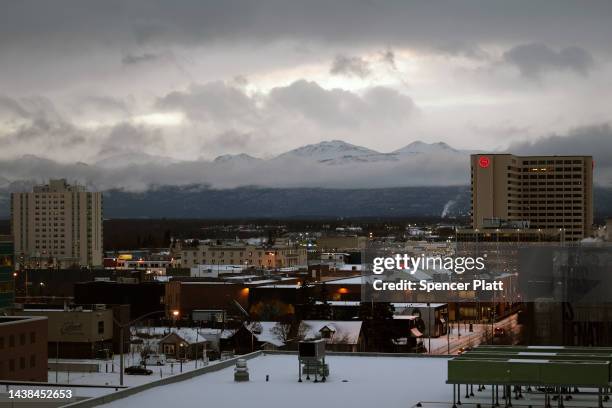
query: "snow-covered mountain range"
328, 164
338, 152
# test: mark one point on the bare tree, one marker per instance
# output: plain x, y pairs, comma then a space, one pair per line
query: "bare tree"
285, 332
302, 330
282, 331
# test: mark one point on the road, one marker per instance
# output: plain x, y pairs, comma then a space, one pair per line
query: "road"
461, 337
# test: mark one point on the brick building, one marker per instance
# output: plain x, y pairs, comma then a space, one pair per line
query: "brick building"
23, 348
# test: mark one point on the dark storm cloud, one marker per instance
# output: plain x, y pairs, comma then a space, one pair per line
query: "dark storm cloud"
219, 101
593, 141
388, 57
534, 59
100, 105
37, 124
211, 101
44, 133
13, 107
589, 140
125, 137
334, 107
350, 66
463, 49
30, 108
340, 108
70, 23
134, 59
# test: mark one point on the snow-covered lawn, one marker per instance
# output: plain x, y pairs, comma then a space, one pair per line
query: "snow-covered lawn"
112, 378
390, 382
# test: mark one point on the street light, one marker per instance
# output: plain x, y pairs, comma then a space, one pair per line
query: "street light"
182, 347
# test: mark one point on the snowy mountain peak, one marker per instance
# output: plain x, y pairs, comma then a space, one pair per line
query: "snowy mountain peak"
236, 158
329, 150
422, 147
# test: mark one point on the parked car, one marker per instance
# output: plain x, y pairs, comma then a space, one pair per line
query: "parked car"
499, 332
155, 359
138, 370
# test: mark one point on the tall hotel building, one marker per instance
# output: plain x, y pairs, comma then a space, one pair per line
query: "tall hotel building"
57, 225
536, 192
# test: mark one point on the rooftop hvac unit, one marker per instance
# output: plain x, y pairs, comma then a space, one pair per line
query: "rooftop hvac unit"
313, 349
311, 360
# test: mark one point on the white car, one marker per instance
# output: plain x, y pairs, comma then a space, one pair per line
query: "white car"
155, 359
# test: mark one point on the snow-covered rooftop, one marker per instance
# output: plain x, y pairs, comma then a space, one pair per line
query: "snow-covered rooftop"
356, 280
397, 305
264, 332
345, 332
189, 334
354, 381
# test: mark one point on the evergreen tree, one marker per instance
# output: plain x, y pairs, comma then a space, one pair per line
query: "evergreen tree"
376, 317
324, 310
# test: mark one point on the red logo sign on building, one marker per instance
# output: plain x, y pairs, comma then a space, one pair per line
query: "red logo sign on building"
484, 162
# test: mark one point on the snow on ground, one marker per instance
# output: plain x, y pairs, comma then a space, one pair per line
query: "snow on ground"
461, 337
392, 382
112, 378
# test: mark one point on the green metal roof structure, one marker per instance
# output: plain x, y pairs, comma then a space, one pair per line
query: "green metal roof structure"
556, 368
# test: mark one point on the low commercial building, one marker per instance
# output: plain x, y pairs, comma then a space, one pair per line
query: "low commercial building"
334, 243
23, 348
78, 332
143, 297
152, 263
183, 297
53, 284
242, 253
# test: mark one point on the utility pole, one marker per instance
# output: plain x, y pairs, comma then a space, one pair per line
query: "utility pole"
429, 324
448, 331
120, 355
122, 326
56, 360
196, 348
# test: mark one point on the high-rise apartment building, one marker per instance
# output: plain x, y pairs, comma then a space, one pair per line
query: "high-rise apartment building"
57, 225
536, 192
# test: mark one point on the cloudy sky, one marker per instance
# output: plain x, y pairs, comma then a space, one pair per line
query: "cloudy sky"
88, 81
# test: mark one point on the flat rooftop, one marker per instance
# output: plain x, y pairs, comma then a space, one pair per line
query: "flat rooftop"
7, 320
354, 381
